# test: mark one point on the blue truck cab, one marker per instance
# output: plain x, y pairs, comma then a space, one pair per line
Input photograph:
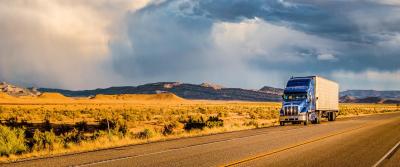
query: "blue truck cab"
308, 99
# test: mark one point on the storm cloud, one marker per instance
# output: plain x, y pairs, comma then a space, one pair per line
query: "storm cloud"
237, 43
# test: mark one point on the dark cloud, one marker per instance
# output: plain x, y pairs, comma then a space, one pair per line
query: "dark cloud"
163, 40
175, 39
352, 20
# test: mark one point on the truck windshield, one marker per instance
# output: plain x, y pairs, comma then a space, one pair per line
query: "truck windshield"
296, 96
298, 82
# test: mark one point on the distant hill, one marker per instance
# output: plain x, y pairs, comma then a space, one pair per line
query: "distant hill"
347, 99
272, 90
169, 97
188, 91
371, 93
57, 96
17, 91
377, 100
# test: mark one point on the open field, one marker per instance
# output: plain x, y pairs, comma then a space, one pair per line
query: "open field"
54, 124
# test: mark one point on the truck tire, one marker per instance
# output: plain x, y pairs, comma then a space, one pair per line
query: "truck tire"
331, 116
317, 118
306, 122
282, 123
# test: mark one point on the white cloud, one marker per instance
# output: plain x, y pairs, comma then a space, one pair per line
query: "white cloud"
387, 2
235, 44
286, 4
60, 43
257, 38
326, 56
369, 79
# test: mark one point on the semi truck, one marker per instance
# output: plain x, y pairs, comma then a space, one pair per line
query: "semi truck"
308, 99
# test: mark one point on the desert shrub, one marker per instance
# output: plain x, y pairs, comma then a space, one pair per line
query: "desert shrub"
235, 125
23, 123
148, 117
74, 136
195, 123
50, 139
223, 114
97, 134
12, 122
202, 110
265, 115
43, 140
81, 126
122, 128
182, 119
129, 116
12, 141
251, 123
199, 122
47, 125
117, 126
214, 122
170, 128
63, 129
252, 115
145, 134
104, 124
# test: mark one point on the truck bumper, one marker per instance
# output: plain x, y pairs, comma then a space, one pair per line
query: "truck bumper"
293, 118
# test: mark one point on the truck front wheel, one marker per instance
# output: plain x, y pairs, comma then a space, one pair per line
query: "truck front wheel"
306, 122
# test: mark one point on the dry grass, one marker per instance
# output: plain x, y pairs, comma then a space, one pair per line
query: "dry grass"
140, 112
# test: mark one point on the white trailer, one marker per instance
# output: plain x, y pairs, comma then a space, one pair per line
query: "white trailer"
326, 97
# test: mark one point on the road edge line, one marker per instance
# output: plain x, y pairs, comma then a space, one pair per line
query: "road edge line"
392, 150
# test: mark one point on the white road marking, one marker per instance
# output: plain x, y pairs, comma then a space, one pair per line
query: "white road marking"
387, 155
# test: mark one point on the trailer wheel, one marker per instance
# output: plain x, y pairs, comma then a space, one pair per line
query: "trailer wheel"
282, 123
331, 116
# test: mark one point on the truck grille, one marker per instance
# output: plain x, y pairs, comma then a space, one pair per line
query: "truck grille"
291, 110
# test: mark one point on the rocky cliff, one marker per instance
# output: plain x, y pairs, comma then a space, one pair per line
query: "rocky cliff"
17, 91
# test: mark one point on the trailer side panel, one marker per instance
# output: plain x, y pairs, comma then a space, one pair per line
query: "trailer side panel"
327, 94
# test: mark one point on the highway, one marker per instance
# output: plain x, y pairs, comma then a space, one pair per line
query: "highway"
357, 141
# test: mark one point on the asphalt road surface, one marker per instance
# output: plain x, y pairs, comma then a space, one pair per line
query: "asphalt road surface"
360, 141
